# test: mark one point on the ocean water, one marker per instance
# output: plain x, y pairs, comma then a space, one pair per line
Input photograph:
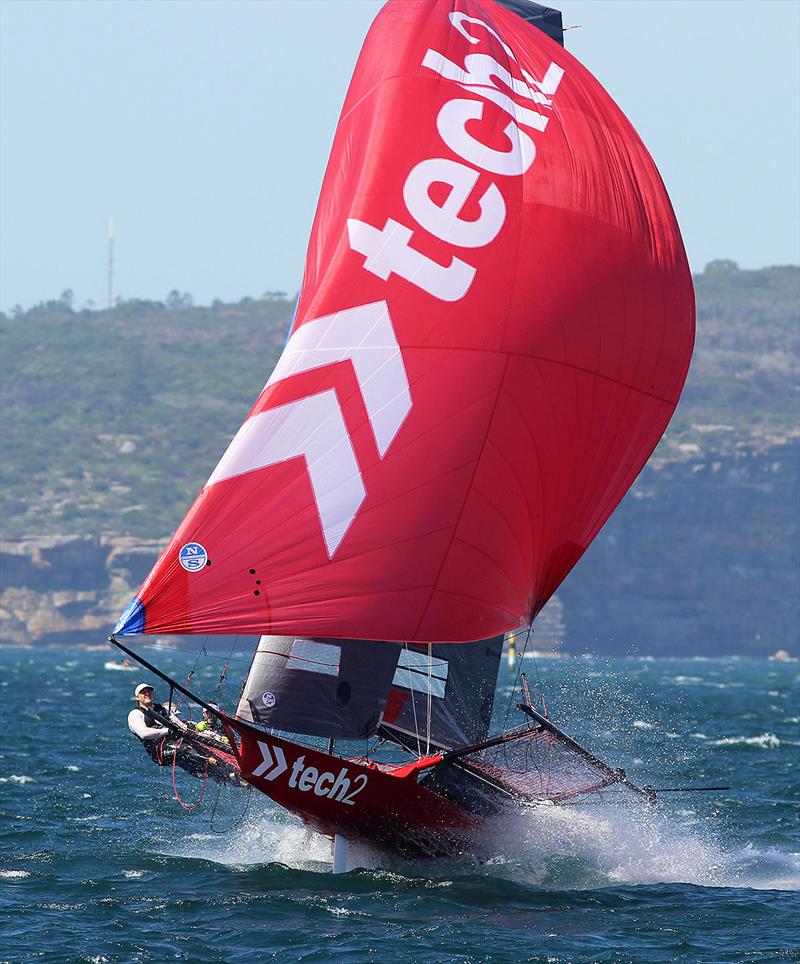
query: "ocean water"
98, 862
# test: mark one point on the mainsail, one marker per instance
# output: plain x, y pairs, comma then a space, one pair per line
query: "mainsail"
322, 687
493, 331
348, 688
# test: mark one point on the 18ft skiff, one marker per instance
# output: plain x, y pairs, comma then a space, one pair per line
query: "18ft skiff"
493, 331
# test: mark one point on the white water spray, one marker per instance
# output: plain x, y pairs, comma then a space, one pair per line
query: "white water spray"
570, 847
548, 846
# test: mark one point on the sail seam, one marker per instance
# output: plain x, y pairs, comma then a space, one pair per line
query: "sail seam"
554, 361
467, 492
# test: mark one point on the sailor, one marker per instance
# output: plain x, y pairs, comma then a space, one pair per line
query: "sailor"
157, 738
211, 724
143, 724
212, 733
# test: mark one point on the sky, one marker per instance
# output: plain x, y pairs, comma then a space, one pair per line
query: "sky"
203, 128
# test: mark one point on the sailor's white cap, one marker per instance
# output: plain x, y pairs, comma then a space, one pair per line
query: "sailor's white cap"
141, 688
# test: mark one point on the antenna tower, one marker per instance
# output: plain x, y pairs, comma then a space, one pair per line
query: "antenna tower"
111, 262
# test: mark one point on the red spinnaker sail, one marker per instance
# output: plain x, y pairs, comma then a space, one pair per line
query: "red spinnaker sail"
495, 325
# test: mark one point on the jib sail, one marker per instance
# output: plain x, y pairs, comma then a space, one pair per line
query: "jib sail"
321, 687
461, 681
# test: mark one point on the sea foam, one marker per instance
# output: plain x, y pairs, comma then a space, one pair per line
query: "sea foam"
767, 741
574, 847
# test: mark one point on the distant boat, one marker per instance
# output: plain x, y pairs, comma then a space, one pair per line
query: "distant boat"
115, 664
511, 650
494, 328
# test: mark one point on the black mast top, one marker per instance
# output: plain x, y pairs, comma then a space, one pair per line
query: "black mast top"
547, 19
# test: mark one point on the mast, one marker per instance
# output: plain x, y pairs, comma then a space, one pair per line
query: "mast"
430, 700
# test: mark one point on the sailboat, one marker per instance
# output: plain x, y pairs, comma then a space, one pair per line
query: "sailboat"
495, 324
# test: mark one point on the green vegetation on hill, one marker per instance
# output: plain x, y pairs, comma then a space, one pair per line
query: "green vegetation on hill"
112, 420
743, 388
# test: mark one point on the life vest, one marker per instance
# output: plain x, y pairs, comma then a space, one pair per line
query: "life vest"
153, 744
149, 715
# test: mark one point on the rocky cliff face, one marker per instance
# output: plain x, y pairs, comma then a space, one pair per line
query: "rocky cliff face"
701, 557
68, 590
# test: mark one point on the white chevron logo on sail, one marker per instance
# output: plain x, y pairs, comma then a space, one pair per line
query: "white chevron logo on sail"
314, 426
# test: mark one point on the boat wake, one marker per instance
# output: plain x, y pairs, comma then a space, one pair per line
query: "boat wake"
549, 847
565, 847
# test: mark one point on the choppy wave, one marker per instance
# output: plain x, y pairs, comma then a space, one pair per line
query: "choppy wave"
113, 867
767, 741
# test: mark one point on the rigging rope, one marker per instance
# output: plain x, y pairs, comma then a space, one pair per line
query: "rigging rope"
188, 680
520, 660
201, 651
236, 820
190, 808
224, 674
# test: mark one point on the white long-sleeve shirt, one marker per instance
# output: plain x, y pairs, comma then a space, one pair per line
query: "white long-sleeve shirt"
138, 727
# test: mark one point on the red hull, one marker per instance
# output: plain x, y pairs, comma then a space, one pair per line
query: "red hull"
374, 803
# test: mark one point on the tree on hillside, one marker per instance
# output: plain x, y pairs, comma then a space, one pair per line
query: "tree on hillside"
721, 266
176, 300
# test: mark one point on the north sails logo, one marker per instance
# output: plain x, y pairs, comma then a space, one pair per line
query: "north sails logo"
193, 557
314, 427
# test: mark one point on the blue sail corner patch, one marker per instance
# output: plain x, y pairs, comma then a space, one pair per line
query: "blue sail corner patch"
131, 622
